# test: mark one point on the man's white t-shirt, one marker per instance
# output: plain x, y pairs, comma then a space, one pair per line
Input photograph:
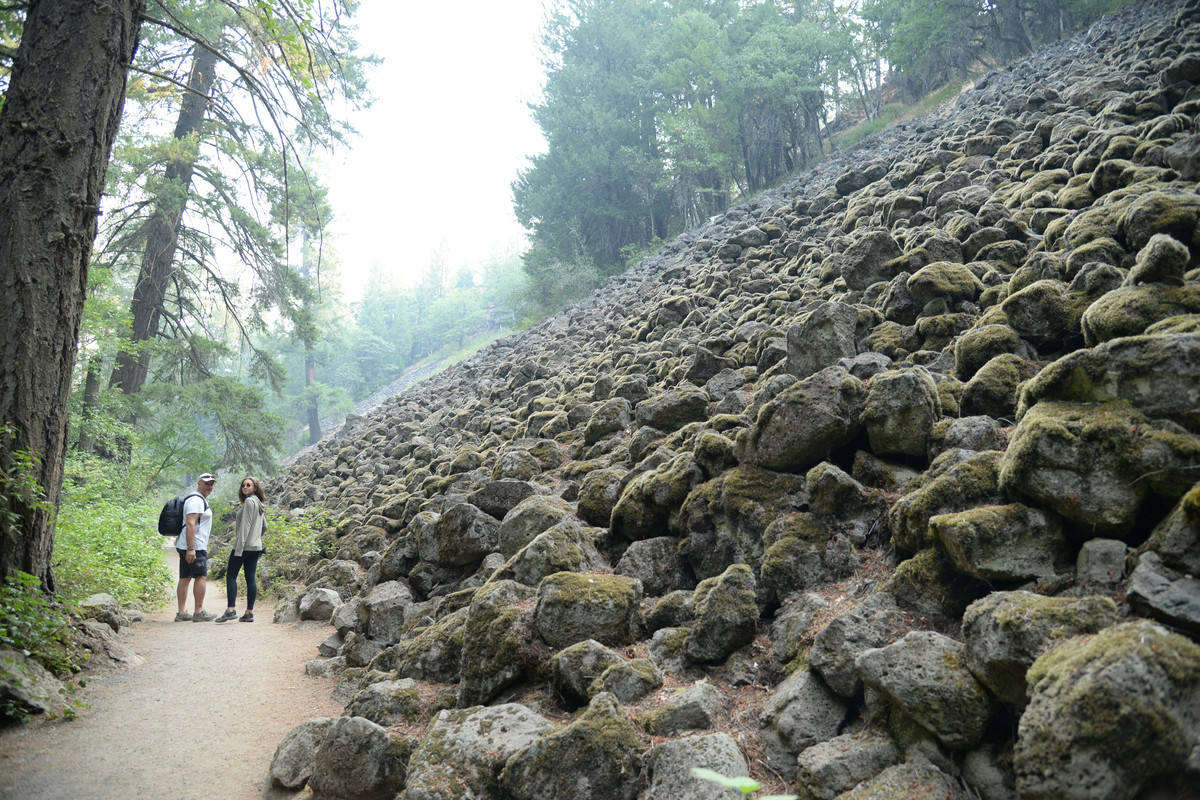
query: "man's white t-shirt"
195, 504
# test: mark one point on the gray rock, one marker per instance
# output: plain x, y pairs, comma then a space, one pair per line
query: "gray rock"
909, 781
350, 616
463, 536
357, 758
1101, 561
613, 416
670, 411
628, 681
319, 604
1165, 595
27, 688
726, 615
827, 769
670, 767
694, 707
1005, 633
528, 518
576, 666
385, 610
597, 755
925, 674
292, 764
497, 498
566, 547
822, 338
902, 406
572, 607
875, 623
801, 712
1010, 542
658, 564
491, 641
1109, 713
468, 747
805, 422
387, 702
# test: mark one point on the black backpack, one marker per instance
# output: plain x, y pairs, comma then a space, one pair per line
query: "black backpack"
170, 519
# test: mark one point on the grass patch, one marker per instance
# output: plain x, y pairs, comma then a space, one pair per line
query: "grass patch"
896, 112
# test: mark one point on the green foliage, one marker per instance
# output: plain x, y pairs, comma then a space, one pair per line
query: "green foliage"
37, 626
107, 538
743, 784
291, 543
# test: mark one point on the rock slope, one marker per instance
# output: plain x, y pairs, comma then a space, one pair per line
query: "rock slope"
883, 484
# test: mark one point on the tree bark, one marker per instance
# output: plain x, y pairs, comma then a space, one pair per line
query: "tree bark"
310, 377
57, 127
162, 230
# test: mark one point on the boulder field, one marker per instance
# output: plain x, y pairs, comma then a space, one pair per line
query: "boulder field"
883, 484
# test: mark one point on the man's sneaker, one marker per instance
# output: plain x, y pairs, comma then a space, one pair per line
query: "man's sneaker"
183, 616
228, 615
248, 616
203, 616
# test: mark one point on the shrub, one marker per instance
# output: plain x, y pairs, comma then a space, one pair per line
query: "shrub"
107, 538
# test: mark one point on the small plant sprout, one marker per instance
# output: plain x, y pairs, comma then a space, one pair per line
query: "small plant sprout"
744, 785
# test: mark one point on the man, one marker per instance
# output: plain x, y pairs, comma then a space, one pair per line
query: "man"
192, 546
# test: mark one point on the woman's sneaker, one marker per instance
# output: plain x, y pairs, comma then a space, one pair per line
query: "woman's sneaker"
228, 615
248, 616
203, 616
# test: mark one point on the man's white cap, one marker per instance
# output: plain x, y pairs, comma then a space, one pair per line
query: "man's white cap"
208, 478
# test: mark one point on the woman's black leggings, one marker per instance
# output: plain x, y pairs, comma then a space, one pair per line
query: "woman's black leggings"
249, 560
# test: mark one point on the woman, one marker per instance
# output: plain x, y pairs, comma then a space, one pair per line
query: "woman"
249, 525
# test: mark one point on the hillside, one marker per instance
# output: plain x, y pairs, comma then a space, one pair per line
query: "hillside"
881, 485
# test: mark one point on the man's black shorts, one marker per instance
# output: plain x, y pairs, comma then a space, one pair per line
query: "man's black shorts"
197, 569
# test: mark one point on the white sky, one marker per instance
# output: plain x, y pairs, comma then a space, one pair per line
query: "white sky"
440, 147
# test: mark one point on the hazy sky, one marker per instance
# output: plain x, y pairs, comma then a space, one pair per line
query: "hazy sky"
443, 142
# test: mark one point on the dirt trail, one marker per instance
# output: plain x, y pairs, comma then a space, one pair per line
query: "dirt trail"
199, 720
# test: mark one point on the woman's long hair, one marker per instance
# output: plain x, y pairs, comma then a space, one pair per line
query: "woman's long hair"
258, 490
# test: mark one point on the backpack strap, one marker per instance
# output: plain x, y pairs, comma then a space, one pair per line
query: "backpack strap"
203, 499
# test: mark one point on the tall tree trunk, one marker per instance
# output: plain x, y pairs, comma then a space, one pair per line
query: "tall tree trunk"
162, 230
310, 376
91, 398
57, 127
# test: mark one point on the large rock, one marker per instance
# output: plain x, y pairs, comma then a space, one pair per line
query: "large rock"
805, 422
597, 755
650, 503
464, 535
1003, 543
902, 406
573, 607
1109, 713
726, 615
384, 609
357, 758
801, 712
823, 337
1095, 464
926, 675
1006, 632
491, 644
827, 769
466, 749
955, 482
875, 623
670, 766
528, 518
292, 764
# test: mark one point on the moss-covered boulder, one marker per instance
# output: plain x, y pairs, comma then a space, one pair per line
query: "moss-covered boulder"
1130, 310
462, 751
1176, 539
494, 638
1109, 714
876, 622
388, 703
725, 519
651, 503
863, 263
597, 755
1006, 632
1096, 463
693, 707
946, 281
951, 484
573, 607
827, 769
908, 781
1159, 374
671, 410
611, 417
980, 345
805, 422
431, 654
575, 667
726, 615
629, 681
658, 564
926, 675
1175, 212
357, 758
901, 408
803, 552
463, 535
1010, 542
993, 390
598, 494
567, 547
821, 338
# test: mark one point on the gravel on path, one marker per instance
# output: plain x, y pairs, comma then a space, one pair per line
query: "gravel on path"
199, 720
